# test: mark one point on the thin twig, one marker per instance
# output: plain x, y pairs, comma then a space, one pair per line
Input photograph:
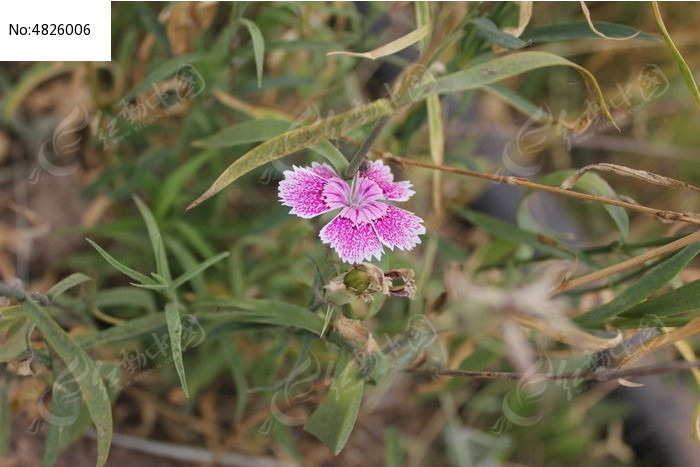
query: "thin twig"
615, 268
523, 182
20, 295
603, 374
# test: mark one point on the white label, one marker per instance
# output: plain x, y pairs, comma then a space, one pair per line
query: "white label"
42, 30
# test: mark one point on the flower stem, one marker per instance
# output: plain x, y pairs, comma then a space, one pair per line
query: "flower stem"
361, 155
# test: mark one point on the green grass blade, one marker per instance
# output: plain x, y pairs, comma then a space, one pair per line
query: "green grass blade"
684, 299
685, 70
258, 46
252, 131
84, 371
581, 30
198, 269
126, 270
156, 239
172, 319
492, 34
510, 232
333, 420
60, 287
645, 286
502, 68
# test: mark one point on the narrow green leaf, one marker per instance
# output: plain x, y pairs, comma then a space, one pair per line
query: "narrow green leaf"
198, 269
128, 330
172, 319
594, 185
258, 46
16, 339
263, 312
685, 70
233, 359
83, 370
512, 233
332, 155
187, 261
65, 411
645, 286
165, 70
126, 270
124, 297
491, 33
333, 420
67, 283
156, 239
511, 65
581, 30
296, 140
684, 299
252, 131
172, 187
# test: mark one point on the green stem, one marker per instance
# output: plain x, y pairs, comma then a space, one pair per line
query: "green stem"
361, 155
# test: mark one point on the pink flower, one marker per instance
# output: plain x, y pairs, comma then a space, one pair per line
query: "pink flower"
365, 222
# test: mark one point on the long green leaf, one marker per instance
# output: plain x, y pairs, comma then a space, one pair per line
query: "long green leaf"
16, 339
684, 299
67, 283
252, 131
156, 239
489, 31
263, 312
333, 420
645, 286
164, 70
172, 319
296, 140
512, 233
594, 185
126, 270
581, 30
685, 70
258, 46
502, 68
172, 187
198, 269
84, 371
65, 411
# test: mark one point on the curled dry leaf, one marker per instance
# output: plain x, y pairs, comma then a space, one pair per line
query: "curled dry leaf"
524, 17
390, 48
621, 170
587, 14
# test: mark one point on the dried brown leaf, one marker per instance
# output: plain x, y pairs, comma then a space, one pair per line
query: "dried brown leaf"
621, 170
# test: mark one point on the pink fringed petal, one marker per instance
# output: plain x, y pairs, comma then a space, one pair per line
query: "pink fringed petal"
302, 190
354, 243
382, 176
323, 170
399, 228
